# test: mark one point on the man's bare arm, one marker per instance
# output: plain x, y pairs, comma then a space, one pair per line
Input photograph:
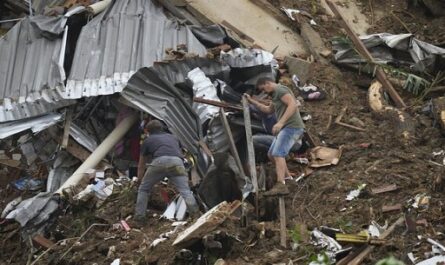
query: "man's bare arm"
141, 166
268, 109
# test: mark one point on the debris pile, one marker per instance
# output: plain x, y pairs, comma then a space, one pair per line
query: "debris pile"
80, 81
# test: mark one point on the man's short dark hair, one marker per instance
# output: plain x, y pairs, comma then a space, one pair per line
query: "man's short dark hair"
263, 80
154, 126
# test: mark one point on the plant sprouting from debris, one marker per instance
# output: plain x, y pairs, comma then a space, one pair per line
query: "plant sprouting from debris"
295, 234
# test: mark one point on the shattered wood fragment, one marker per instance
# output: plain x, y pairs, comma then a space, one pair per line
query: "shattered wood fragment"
360, 257
387, 188
339, 122
391, 208
207, 223
10, 163
41, 241
363, 51
422, 222
403, 122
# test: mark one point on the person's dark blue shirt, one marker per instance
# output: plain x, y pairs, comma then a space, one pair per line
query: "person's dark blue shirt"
161, 144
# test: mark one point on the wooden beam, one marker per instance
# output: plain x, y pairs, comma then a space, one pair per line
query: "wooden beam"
220, 104
250, 151
232, 145
363, 51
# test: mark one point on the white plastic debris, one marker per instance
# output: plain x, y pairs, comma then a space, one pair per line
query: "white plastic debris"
243, 57
375, 230
355, 193
412, 258
421, 201
101, 190
435, 243
11, 206
116, 262
324, 241
439, 153
176, 210
432, 261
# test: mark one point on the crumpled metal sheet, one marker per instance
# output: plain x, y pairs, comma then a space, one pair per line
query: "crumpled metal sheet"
243, 57
216, 138
83, 137
148, 91
38, 209
31, 72
129, 35
36, 124
385, 49
54, 26
203, 88
176, 71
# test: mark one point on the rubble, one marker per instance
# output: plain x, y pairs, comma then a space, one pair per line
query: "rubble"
79, 79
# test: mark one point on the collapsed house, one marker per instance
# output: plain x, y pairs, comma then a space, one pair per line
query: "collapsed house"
76, 87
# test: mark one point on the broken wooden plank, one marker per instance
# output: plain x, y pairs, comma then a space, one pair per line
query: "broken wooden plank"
232, 145
42, 241
10, 163
391, 208
360, 257
283, 230
339, 122
66, 128
206, 223
363, 51
383, 189
220, 104
250, 151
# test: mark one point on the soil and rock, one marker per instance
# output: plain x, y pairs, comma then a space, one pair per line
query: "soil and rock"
376, 157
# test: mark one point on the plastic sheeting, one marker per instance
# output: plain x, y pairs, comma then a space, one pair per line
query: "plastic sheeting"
242, 57
129, 35
402, 49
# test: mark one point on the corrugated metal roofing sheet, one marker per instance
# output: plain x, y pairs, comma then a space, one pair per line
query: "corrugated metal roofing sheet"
31, 72
129, 35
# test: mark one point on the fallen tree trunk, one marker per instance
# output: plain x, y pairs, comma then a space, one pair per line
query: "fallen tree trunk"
404, 123
101, 151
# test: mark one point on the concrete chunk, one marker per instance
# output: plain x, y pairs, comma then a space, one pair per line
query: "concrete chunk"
303, 69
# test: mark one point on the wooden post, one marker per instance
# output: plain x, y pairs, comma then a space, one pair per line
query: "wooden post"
232, 145
283, 230
250, 151
66, 129
361, 48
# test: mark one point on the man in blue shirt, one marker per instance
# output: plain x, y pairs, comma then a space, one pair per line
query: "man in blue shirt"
164, 152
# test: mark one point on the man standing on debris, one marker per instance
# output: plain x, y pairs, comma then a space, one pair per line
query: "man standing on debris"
288, 129
164, 152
